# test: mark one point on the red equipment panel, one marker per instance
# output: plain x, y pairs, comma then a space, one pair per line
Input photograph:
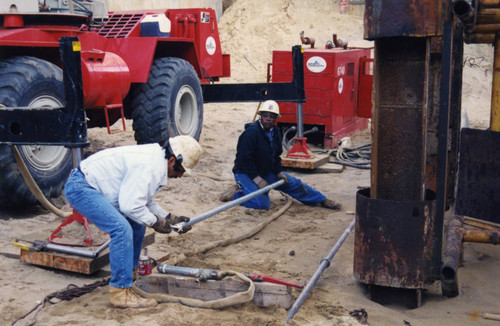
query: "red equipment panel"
201, 25
331, 80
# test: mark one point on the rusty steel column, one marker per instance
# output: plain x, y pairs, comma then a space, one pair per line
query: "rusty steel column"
495, 89
399, 118
397, 240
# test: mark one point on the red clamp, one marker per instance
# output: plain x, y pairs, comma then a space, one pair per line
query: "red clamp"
75, 217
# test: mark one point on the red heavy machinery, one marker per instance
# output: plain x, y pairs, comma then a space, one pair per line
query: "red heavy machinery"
147, 65
338, 85
157, 67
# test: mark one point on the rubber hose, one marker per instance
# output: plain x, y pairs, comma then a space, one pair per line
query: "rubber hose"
33, 187
233, 300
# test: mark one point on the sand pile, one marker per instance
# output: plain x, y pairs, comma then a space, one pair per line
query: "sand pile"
251, 30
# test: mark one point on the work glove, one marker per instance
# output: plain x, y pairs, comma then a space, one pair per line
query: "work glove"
180, 219
260, 182
282, 176
162, 225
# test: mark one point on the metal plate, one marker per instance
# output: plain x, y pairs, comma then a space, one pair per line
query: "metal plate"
478, 192
395, 242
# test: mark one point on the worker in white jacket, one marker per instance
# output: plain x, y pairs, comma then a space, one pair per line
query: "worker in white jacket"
114, 189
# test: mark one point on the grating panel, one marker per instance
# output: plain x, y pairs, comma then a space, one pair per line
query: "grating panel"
119, 25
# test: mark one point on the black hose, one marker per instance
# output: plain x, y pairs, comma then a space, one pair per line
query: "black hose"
358, 157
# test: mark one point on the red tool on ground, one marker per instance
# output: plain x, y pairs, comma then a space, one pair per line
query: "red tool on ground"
264, 278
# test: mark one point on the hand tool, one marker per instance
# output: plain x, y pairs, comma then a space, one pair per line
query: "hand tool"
207, 274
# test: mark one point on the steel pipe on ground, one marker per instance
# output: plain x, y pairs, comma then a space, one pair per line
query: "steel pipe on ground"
325, 262
180, 226
451, 258
76, 251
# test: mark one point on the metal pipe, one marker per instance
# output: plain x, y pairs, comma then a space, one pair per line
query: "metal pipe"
77, 156
489, 3
443, 132
72, 250
101, 248
180, 226
486, 28
300, 120
463, 10
481, 236
339, 43
479, 38
451, 257
481, 224
495, 89
307, 40
488, 16
325, 262
199, 273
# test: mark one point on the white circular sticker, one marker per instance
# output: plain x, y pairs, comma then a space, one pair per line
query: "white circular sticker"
210, 45
341, 85
316, 64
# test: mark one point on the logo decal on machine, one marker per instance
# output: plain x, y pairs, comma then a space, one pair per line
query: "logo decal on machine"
341, 85
210, 45
316, 64
205, 17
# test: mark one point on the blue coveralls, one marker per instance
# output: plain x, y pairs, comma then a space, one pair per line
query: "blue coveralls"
258, 154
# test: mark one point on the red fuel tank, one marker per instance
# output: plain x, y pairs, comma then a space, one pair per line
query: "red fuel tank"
106, 79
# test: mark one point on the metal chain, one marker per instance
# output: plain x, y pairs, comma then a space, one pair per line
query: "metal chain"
70, 292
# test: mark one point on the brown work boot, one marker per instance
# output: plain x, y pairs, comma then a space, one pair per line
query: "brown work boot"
331, 204
127, 298
229, 193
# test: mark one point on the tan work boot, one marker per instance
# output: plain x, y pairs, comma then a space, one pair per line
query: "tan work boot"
331, 204
229, 193
127, 298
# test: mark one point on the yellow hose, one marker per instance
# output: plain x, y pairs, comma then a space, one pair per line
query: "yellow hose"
35, 190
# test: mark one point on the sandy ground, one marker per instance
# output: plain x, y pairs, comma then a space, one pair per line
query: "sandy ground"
308, 232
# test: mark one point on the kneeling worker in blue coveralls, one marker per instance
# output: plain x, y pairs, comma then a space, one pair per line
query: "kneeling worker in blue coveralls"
258, 164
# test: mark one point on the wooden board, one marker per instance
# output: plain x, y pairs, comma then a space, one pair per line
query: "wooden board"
73, 263
305, 163
266, 294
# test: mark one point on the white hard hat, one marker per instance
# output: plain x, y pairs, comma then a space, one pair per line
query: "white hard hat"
189, 148
270, 106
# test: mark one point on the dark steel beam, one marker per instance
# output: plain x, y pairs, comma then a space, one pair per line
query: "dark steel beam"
259, 92
54, 126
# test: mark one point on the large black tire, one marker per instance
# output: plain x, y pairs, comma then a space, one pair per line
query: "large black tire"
31, 82
169, 104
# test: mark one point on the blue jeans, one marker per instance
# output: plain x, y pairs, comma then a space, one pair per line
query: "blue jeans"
295, 188
126, 235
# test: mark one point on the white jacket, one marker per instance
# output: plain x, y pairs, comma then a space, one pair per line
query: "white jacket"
129, 177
